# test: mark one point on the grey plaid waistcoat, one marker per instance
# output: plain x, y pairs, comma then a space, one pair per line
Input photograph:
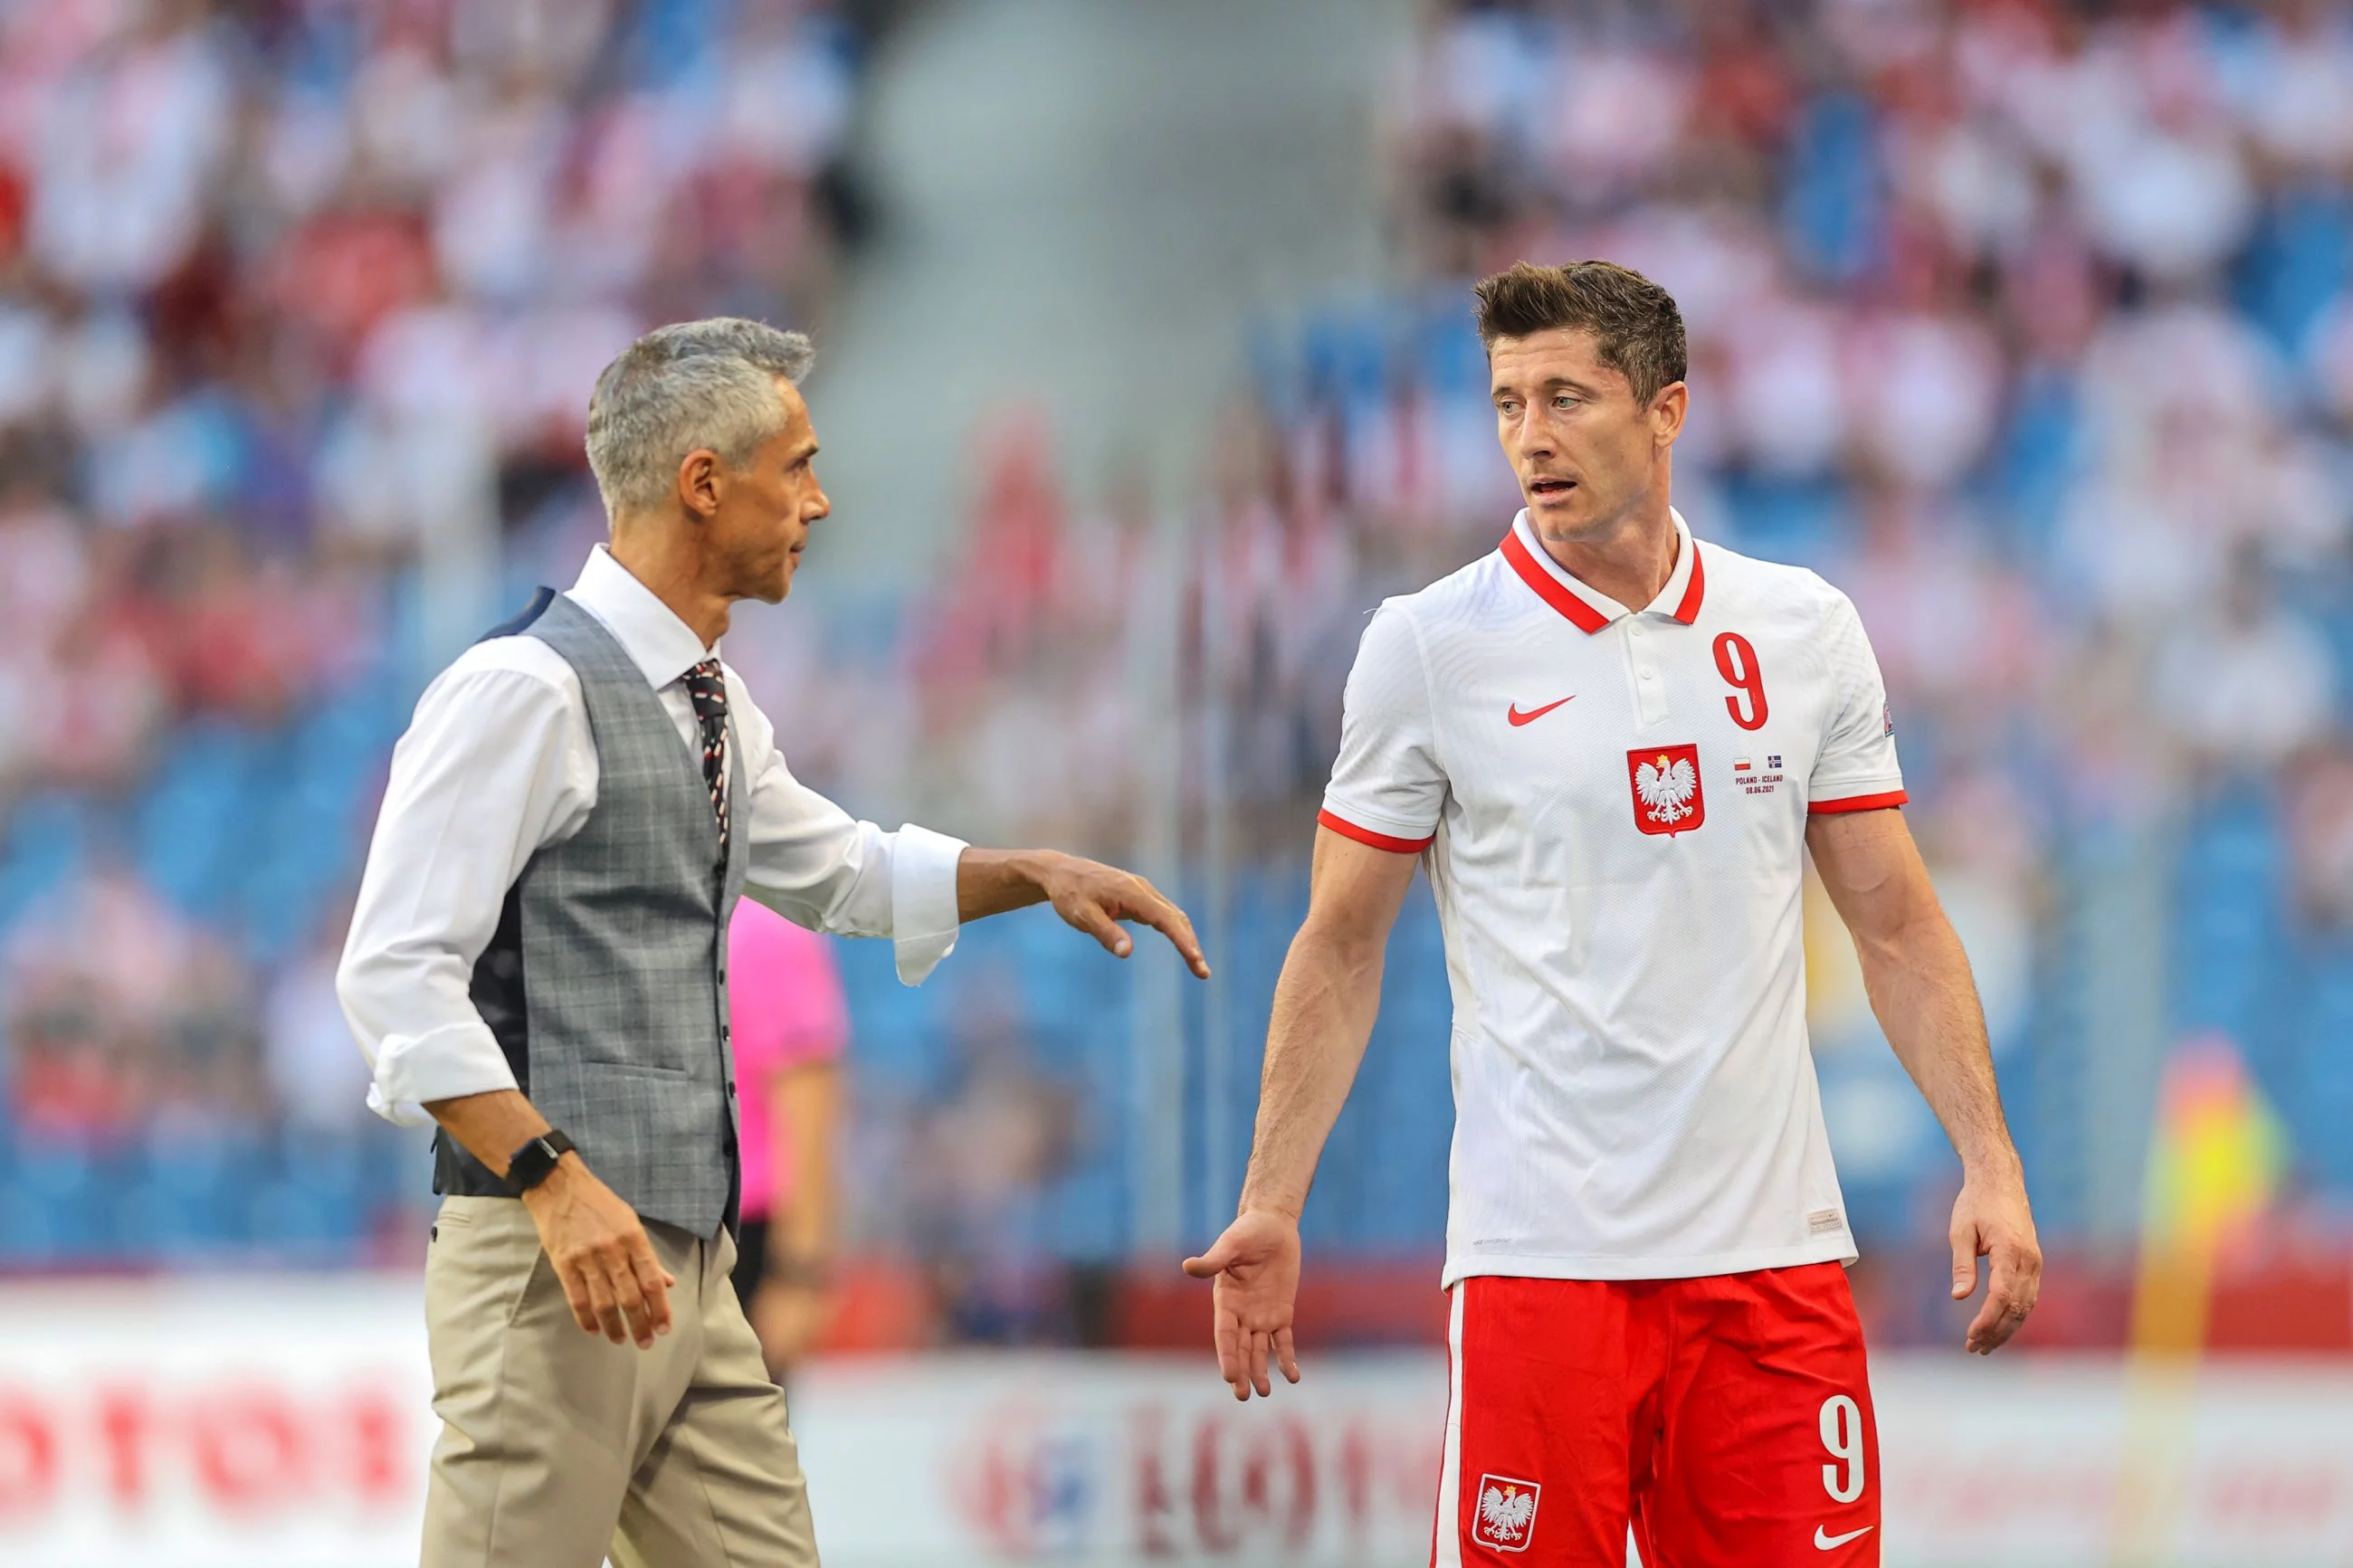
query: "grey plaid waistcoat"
606, 981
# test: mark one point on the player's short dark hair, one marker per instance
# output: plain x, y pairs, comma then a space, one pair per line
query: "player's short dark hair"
1633, 320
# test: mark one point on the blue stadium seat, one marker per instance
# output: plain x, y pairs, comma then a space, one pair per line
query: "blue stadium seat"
186, 825
55, 1209
1830, 211
1803, 521
2296, 263
193, 1199
2318, 1104
295, 1219
45, 847
2227, 917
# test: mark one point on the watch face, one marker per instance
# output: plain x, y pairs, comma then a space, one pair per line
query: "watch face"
533, 1163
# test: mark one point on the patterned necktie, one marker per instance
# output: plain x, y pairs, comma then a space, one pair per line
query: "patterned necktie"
709, 689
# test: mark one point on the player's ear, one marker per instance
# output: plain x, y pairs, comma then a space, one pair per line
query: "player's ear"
1667, 411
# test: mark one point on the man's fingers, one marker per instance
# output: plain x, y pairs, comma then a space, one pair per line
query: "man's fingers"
1125, 896
1212, 1263
1981, 1329
1258, 1349
631, 1301
2013, 1282
1171, 923
1996, 1321
1284, 1354
1225, 1330
607, 1311
1223, 1254
654, 1283
576, 1293
1965, 1263
1092, 919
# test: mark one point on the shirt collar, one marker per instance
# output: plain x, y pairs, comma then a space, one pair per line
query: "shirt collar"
1590, 609
648, 631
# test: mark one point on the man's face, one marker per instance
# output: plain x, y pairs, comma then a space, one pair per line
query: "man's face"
756, 536
1584, 451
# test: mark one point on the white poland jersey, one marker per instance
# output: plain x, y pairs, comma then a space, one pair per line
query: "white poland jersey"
1612, 809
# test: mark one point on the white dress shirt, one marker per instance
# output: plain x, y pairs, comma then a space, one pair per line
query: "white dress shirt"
499, 761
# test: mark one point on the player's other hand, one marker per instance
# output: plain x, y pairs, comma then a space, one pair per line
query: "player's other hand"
615, 1285
1256, 1265
1991, 1220
1095, 898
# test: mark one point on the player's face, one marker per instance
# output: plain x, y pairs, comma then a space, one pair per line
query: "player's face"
1584, 451
757, 535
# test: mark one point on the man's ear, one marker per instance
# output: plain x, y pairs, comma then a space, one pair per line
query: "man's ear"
701, 479
1667, 411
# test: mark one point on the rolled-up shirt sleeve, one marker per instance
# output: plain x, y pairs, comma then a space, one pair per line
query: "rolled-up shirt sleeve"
489, 770
819, 866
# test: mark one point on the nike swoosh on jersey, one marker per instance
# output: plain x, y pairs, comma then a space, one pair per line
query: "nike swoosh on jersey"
1823, 1542
1532, 714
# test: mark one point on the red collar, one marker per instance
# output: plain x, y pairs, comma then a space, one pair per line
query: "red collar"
1580, 610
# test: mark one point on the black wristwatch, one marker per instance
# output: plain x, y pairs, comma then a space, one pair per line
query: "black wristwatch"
532, 1163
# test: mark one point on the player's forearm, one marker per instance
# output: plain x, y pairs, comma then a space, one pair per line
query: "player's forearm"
1921, 990
1324, 1005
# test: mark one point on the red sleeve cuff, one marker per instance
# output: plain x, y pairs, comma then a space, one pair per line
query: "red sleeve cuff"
1347, 830
1858, 802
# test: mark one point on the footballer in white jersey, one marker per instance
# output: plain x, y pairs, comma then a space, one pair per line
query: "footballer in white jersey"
1612, 747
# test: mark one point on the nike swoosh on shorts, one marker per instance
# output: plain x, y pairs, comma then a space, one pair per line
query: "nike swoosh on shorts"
1823, 1542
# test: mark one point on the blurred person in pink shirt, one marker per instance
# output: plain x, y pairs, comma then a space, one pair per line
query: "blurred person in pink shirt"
790, 1022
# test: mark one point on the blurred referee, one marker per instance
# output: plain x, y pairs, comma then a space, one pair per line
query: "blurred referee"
538, 963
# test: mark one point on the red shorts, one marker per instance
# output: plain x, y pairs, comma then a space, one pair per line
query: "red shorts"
1725, 1420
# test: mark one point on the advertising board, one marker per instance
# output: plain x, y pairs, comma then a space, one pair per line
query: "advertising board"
286, 1423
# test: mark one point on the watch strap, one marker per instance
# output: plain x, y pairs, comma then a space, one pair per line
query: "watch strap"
537, 1160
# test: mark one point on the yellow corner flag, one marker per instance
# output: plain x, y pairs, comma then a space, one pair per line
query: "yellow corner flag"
2214, 1165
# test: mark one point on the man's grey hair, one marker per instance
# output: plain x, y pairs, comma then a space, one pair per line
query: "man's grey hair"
680, 388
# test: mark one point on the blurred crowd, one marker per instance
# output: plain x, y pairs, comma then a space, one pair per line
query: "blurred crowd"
2025, 322
2029, 324
299, 304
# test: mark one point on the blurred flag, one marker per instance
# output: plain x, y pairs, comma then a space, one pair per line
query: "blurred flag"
2215, 1159
2217, 1154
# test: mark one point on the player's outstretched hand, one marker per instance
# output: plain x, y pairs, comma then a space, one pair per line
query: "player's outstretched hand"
1095, 898
1256, 1265
602, 1255
1991, 1220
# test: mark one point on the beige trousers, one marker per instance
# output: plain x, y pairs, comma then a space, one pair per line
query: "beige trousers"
558, 1446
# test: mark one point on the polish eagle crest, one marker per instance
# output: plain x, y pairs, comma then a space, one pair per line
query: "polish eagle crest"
1666, 787
1507, 1513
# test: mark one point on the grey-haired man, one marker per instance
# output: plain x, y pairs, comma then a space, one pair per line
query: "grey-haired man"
538, 963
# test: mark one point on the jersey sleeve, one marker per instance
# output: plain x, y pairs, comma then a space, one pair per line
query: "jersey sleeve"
1387, 787
1855, 769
